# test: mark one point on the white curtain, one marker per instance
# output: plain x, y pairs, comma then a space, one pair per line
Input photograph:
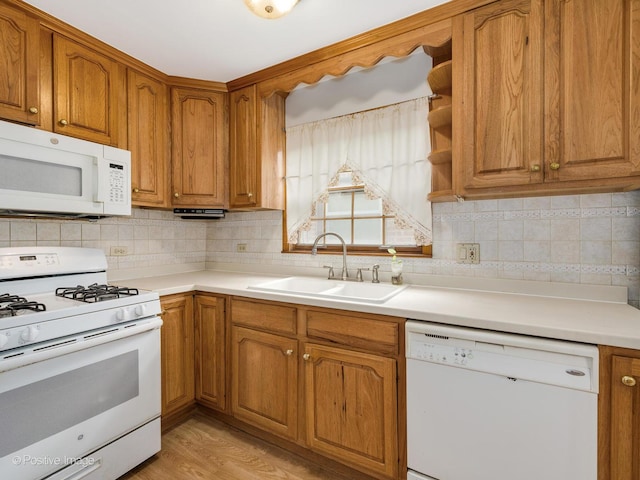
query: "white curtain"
386, 148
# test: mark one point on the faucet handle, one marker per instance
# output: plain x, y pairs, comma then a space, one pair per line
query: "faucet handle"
331, 273
359, 274
374, 274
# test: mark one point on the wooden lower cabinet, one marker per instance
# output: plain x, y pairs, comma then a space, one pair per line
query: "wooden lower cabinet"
324, 379
210, 350
619, 414
177, 358
265, 381
351, 408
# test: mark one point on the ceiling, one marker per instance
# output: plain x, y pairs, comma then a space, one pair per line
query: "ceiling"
221, 40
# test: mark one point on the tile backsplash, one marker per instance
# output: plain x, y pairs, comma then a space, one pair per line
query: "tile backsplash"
152, 238
583, 239
588, 239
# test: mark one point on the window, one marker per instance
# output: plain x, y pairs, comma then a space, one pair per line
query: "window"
357, 217
364, 176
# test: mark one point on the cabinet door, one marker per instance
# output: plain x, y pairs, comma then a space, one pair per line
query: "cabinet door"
592, 84
87, 86
351, 408
199, 147
625, 419
502, 94
210, 350
243, 168
19, 94
148, 125
177, 353
265, 381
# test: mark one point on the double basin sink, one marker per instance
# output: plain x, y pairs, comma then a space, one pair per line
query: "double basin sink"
331, 289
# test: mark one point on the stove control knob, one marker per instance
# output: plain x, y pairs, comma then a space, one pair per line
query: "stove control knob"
4, 339
121, 314
141, 310
30, 333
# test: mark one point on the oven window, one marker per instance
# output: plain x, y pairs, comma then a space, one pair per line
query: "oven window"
39, 410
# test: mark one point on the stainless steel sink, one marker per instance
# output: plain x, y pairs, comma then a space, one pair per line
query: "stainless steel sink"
331, 289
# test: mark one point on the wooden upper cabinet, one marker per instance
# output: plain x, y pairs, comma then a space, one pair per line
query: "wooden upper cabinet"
89, 94
148, 127
243, 174
19, 63
592, 85
257, 144
502, 88
199, 147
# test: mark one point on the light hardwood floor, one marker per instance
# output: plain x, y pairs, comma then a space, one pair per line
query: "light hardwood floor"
202, 448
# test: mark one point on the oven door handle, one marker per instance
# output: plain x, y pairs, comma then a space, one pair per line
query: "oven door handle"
81, 342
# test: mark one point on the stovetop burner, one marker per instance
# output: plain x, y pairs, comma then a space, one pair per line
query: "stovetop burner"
95, 292
11, 305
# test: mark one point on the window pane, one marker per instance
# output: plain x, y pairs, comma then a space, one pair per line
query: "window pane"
368, 231
339, 204
363, 206
398, 236
342, 228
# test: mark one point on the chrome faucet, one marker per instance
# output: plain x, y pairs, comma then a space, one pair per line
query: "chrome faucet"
314, 250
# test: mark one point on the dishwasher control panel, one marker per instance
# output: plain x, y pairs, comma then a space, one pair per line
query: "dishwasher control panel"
422, 349
515, 357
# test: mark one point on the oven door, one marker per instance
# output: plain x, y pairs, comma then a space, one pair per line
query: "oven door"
59, 405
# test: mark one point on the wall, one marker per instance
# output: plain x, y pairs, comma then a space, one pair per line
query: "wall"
579, 239
153, 238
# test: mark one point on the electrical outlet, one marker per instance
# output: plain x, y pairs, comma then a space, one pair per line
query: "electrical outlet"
468, 253
119, 251
241, 247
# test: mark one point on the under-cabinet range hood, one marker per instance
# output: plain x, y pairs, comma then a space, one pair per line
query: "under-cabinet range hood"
47, 174
199, 213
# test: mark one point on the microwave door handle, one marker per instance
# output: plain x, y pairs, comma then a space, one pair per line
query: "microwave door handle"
101, 179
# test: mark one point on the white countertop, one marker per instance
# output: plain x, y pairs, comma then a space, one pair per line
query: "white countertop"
605, 322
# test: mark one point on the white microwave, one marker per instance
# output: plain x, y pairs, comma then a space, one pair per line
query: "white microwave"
47, 173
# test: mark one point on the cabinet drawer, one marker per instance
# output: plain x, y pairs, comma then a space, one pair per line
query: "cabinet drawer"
368, 333
265, 316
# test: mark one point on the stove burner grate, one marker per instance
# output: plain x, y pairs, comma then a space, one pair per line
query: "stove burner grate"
11, 305
95, 292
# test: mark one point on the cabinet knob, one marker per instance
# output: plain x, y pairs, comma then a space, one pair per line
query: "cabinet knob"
176, 194
163, 312
249, 194
306, 357
629, 381
63, 122
288, 353
33, 110
136, 190
554, 166
535, 168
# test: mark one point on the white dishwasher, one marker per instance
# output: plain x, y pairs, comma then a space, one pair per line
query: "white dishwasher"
493, 406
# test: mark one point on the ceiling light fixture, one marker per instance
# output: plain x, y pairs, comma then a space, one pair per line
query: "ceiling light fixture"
270, 8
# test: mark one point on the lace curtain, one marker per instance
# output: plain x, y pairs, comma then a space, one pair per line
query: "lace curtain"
386, 149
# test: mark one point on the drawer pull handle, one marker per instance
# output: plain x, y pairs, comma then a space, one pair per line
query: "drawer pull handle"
629, 381
288, 353
33, 110
554, 166
535, 168
63, 122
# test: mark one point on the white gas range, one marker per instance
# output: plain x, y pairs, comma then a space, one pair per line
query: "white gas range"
79, 367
